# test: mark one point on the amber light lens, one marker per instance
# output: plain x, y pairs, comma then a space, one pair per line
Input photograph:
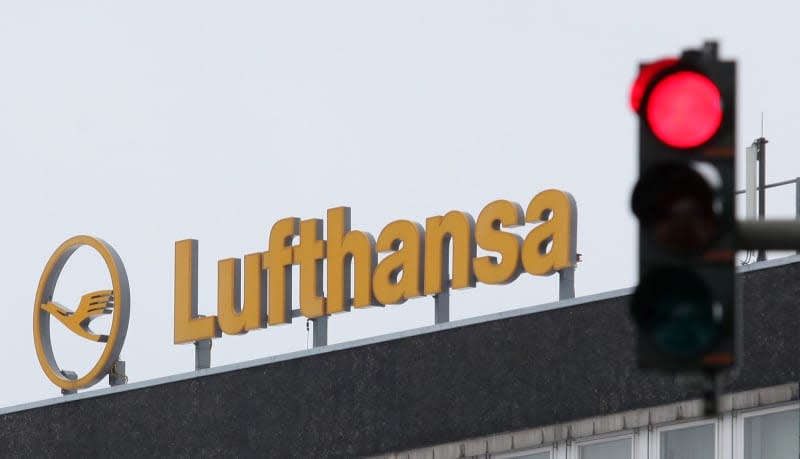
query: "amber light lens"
675, 205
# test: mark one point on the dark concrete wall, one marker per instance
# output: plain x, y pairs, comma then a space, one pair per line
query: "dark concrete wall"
492, 377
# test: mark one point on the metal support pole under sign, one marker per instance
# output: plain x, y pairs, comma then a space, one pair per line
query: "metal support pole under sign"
441, 304
72, 376
117, 376
566, 284
320, 331
202, 354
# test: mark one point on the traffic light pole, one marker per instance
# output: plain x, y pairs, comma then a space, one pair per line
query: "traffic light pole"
685, 305
769, 235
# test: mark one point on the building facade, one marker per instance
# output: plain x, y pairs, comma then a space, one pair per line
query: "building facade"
556, 381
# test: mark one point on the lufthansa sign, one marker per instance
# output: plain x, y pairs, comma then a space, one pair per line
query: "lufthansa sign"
416, 261
92, 305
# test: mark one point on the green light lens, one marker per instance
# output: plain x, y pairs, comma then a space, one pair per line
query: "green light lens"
676, 309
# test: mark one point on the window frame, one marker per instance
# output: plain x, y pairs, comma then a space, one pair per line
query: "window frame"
739, 420
575, 446
728, 440
519, 452
655, 440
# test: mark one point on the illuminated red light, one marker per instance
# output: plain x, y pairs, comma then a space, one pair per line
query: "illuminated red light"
684, 109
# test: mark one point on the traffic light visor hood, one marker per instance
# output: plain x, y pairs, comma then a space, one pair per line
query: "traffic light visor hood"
646, 76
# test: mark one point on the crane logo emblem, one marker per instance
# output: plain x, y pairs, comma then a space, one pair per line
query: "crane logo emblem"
114, 302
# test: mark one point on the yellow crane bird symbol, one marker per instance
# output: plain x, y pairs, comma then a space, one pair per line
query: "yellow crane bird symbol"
92, 305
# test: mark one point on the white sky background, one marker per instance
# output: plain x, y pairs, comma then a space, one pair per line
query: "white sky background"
149, 122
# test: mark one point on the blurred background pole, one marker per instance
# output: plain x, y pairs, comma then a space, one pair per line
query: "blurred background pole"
761, 152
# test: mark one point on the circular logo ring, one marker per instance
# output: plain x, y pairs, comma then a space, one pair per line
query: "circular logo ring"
120, 310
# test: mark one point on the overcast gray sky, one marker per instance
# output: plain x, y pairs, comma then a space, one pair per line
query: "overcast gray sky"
147, 122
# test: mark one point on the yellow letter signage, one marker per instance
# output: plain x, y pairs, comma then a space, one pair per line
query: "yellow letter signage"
407, 261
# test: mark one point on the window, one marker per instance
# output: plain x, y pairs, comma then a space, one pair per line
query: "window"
544, 455
694, 442
530, 454
621, 448
772, 435
758, 433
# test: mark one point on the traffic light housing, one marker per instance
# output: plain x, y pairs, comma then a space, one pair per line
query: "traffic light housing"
685, 306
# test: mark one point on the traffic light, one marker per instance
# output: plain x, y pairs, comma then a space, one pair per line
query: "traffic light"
685, 304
